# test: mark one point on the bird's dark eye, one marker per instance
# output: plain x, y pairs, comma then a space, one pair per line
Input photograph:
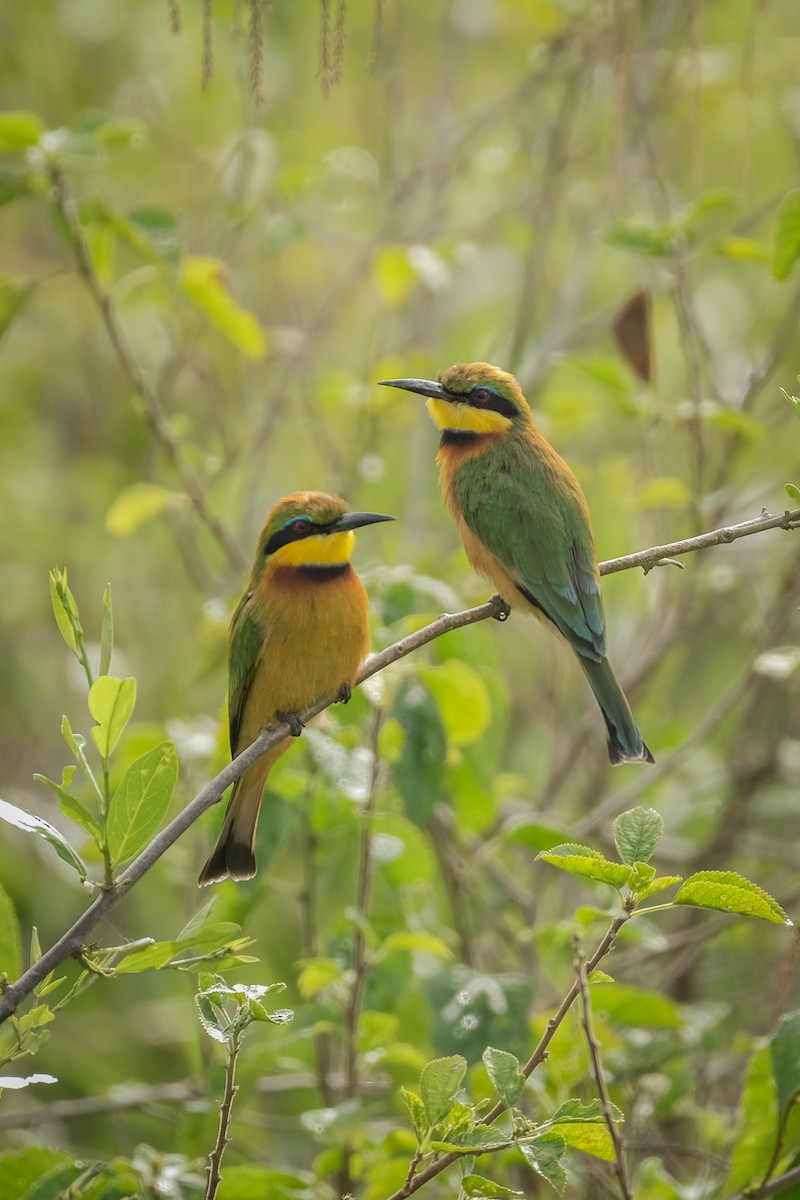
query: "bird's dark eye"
480, 395
301, 525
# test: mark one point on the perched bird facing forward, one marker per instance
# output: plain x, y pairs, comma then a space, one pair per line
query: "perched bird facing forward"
524, 522
299, 633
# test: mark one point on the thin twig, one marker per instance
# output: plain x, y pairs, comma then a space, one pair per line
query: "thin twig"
225, 1109
620, 1169
70, 943
359, 960
414, 1182
156, 419
716, 537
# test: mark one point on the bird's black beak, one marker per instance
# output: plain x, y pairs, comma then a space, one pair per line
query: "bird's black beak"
354, 520
423, 387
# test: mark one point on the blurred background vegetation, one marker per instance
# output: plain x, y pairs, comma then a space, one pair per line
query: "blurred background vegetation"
359, 192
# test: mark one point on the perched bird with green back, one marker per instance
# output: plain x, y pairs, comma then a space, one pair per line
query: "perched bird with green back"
524, 522
298, 633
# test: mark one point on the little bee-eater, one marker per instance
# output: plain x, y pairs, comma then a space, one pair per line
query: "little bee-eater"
299, 633
524, 522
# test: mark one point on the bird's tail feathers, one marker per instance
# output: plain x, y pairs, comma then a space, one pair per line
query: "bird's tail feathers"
625, 742
233, 855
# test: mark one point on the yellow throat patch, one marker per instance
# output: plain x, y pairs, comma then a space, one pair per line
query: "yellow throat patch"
319, 550
449, 414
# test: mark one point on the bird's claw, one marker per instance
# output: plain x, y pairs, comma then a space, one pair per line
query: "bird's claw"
344, 693
502, 609
293, 721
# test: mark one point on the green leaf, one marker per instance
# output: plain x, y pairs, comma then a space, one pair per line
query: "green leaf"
786, 244
726, 891
202, 280
70, 806
55, 1185
785, 1050
637, 1007
544, 1155
10, 944
31, 824
576, 1110
213, 1020
65, 609
419, 771
439, 1083
111, 703
318, 974
637, 834
73, 740
658, 885
20, 1169
756, 1125
18, 131
416, 1110
504, 1071
14, 292
592, 1137
139, 503
477, 1185
470, 1139
106, 632
641, 877
641, 239
138, 805
792, 491
409, 940
582, 860
462, 699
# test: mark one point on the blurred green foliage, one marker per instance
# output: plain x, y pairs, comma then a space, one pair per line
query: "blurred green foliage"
487, 179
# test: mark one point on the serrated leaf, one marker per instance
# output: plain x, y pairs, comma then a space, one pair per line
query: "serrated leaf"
140, 503
416, 1110
477, 1139
591, 864
477, 1185
111, 703
641, 877
31, 824
106, 632
786, 244
10, 943
19, 131
592, 1137
637, 834
576, 1110
785, 1050
138, 805
438, 1084
727, 891
504, 1071
658, 885
202, 280
544, 1155
215, 1023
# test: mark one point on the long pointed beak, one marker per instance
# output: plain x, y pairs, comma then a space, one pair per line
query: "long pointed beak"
424, 387
354, 520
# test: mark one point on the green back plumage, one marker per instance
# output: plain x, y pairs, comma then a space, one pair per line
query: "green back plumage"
522, 501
